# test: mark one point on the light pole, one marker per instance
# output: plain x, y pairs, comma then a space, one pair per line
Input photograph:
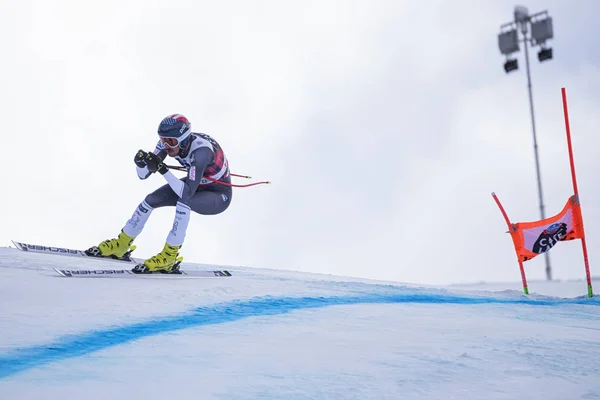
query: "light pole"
540, 25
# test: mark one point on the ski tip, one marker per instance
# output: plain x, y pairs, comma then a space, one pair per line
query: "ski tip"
60, 272
18, 245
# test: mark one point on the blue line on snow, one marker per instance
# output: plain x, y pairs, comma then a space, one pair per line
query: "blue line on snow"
22, 359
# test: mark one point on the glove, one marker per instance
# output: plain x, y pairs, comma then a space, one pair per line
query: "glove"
140, 158
154, 163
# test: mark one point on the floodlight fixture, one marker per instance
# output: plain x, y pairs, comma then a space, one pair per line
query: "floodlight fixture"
511, 65
541, 30
545, 54
508, 42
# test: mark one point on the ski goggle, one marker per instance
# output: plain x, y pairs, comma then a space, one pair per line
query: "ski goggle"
169, 142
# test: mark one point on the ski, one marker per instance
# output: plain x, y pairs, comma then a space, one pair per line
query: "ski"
63, 251
116, 273
34, 248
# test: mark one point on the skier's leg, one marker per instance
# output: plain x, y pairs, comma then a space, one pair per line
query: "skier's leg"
169, 256
161, 197
203, 202
210, 202
164, 196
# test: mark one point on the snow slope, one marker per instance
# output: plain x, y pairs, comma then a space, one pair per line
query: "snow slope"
270, 334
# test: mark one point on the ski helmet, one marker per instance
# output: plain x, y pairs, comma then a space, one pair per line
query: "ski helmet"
174, 130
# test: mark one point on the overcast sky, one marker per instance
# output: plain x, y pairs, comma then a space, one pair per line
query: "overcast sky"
383, 125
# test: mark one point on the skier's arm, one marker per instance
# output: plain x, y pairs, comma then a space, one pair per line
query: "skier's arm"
144, 173
201, 157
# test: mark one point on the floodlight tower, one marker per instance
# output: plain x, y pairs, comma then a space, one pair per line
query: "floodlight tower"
508, 41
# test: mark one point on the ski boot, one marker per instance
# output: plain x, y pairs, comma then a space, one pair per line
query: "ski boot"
119, 248
166, 262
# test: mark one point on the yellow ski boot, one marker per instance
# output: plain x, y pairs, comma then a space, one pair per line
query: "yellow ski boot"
167, 261
118, 248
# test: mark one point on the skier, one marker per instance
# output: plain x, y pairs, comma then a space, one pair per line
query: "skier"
205, 190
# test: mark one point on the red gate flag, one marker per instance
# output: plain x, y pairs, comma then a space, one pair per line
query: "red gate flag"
534, 238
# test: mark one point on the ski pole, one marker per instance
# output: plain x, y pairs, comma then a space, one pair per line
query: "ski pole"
185, 169
181, 168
